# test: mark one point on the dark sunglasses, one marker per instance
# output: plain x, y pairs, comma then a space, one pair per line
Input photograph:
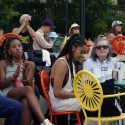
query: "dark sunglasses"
103, 46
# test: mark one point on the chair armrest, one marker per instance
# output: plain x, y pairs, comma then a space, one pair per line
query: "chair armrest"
114, 95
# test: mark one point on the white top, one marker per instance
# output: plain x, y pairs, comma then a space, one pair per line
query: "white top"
59, 104
68, 86
103, 71
9, 72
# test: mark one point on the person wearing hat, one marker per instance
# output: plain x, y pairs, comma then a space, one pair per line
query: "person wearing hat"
25, 31
52, 37
40, 41
74, 29
116, 30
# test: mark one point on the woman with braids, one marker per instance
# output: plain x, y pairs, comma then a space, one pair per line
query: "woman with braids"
62, 73
16, 66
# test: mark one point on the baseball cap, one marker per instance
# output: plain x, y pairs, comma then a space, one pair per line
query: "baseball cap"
48, 23
117, 22
73, 26
53, 35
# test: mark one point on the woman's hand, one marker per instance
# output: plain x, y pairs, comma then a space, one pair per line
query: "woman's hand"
17, 72
24, 67
23, 24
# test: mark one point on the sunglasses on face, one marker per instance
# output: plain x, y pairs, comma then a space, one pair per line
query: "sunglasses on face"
102, 46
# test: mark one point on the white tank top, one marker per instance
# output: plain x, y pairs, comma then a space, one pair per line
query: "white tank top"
68, 86
9, 72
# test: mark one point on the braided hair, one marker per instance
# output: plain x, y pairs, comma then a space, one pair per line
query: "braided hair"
8, 56
75, 40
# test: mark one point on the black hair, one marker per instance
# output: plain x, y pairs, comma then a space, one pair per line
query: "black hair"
48, 23
7, 42
76, 41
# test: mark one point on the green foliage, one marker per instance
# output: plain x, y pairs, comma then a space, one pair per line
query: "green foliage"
99, 14
6, 13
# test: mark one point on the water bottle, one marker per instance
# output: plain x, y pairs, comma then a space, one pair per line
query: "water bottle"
115, 72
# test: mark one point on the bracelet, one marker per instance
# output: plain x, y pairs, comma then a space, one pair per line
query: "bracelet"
25, 80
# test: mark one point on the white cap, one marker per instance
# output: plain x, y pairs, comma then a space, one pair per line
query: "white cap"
23, 16
73, 26
53, 34
117, 22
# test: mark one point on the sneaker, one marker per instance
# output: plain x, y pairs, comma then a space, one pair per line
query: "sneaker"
46, 122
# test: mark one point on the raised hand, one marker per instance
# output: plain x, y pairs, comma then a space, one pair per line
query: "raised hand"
24, 65
17, 72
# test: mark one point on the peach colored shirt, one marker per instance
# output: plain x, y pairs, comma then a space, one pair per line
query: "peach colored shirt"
40, 42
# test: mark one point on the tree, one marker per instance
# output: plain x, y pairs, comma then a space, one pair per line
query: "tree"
6, 13
99, 14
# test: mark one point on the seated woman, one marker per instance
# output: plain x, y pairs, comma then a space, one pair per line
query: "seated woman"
101, 64
62, 73
14, 67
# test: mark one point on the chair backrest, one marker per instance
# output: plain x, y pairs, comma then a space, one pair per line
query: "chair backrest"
118, 44
44, 77
88, 91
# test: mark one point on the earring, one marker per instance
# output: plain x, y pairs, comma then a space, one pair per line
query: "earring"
9, 53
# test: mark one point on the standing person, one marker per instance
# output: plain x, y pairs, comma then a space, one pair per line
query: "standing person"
16, 67
116, 30
11, 110
62, 73
25, 31
40, 42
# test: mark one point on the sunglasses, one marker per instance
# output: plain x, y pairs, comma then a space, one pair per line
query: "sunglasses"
103, 46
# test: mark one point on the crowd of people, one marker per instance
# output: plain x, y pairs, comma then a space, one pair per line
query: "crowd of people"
18, 101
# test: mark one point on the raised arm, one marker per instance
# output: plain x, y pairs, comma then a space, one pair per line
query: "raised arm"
31, 31
28, 73
18, 30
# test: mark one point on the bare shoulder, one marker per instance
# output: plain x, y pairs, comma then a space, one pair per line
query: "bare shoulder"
14, 29
3, 63
60, 64
111, 35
